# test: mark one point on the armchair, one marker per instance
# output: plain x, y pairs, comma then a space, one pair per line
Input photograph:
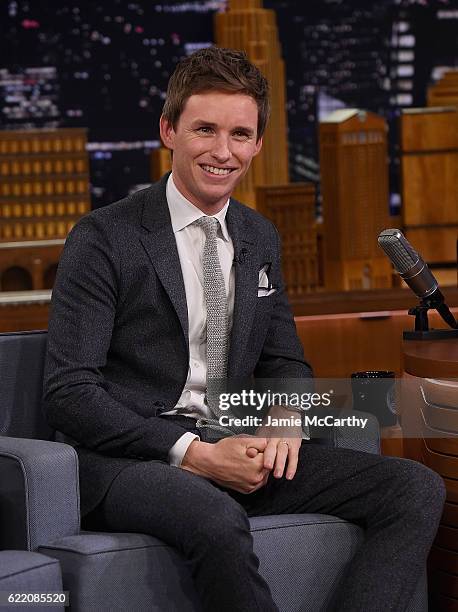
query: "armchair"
39, 506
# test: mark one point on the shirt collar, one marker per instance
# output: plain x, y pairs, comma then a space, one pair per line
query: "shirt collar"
184, 213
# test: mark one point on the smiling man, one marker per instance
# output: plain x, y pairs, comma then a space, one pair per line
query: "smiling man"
160, 293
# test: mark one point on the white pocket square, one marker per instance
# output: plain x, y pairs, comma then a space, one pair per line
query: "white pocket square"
264, 287
265, 292
263, 281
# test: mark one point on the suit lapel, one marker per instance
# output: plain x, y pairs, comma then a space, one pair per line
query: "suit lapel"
246, 277
159, 242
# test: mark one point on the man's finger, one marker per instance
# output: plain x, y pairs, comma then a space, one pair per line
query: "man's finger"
270, 454
252, 452
293, 457
280, 461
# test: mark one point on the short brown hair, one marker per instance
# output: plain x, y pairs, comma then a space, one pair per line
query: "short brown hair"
215, 68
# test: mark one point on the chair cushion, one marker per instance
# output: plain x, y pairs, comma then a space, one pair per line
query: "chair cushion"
303, 557
108, 572
29, 572
119, 571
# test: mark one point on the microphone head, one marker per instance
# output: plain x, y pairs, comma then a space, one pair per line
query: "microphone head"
411, 267
399, 250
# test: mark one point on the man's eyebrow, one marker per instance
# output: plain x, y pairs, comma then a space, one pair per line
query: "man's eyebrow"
203, 122
243, 128
237, 128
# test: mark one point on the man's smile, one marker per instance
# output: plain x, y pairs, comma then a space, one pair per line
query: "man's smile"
216, 170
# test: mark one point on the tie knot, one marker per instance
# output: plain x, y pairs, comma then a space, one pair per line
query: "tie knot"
209, 225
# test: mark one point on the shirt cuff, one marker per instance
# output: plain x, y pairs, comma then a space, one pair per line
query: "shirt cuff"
178, 450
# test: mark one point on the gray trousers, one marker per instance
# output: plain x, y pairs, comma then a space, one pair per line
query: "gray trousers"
397, 501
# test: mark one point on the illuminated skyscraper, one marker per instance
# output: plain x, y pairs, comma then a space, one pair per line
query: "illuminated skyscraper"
248, 26
45, 182
445, 91
429, 166
354, 180
44, 190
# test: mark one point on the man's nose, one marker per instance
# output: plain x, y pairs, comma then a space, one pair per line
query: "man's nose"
221, 148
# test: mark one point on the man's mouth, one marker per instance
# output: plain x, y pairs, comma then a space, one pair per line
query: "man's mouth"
214, 170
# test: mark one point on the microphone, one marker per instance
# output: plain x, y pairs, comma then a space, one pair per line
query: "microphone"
414, 271
239, 258
409, 264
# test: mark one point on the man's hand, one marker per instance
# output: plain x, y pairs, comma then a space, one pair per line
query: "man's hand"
235, 463
284, 442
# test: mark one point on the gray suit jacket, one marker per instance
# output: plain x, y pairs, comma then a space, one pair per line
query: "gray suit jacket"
118, 331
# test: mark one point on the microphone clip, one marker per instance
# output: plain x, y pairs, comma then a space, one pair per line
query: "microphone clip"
422, 330
240, 257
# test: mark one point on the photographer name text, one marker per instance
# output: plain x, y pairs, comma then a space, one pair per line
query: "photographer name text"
293, 421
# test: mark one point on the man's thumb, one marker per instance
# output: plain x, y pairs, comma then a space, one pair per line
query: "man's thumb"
256, 443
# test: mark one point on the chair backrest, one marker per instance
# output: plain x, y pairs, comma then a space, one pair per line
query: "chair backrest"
22, 357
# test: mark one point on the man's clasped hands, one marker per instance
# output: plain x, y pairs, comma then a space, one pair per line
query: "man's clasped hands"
244, 462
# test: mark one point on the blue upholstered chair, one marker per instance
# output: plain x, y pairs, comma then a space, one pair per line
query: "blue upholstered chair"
302, 557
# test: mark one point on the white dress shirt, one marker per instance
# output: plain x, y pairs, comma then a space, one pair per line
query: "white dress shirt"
190, 240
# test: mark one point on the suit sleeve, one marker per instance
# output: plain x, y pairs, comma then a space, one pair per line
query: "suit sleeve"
282, 355
83, 311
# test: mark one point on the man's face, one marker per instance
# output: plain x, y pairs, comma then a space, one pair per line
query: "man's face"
213, 145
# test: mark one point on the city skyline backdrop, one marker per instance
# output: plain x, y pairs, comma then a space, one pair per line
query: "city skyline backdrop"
106, 67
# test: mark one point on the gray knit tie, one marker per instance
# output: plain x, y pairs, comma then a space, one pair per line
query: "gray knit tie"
217, 323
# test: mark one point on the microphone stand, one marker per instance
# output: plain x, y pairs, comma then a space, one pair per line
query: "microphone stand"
422, 331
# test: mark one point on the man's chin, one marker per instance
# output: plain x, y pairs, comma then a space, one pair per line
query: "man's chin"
217, 193
213, 203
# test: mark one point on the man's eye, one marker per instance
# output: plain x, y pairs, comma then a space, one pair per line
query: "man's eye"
241, 135
204, 129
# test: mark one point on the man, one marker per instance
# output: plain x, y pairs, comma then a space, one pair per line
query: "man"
144, 288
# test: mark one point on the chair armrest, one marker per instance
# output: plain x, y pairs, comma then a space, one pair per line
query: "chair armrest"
39, 492
357, 438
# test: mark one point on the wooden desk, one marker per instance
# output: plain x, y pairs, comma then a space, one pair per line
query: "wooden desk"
433, 359
327, 302
429, 407
338, 344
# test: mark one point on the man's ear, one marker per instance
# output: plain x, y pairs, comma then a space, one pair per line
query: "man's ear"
167, 133
258, 146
